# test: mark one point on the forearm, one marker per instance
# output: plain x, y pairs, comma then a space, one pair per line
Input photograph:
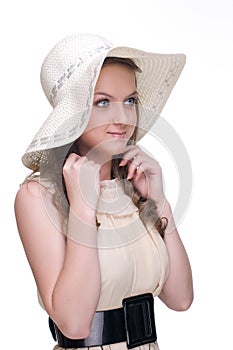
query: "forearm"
177, 292
76, 293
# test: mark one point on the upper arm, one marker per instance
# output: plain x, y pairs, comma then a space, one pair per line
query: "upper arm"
43, 242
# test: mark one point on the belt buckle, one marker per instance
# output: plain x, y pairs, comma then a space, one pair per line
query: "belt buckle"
139, 320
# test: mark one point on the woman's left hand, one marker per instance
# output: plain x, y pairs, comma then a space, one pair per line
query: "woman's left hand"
145, 173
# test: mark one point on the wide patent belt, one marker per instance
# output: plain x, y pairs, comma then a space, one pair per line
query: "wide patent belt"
133, 323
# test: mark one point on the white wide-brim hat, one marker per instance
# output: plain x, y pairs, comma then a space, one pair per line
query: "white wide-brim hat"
68, 76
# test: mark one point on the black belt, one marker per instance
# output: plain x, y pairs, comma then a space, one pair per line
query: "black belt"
133, 323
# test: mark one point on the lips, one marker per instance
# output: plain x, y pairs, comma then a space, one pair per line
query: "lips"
117, 134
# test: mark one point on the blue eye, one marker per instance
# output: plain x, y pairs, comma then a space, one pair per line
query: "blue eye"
102, 103
130, 101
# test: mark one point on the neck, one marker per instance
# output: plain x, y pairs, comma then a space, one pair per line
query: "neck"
105, 171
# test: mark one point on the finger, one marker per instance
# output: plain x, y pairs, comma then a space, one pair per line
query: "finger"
91, 165
139, 173
132, 147
124, 161
130, 154
132, 168
137, 169
73, 160
131, 157
73, 157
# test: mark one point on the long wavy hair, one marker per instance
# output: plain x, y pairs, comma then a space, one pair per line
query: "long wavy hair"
57, 157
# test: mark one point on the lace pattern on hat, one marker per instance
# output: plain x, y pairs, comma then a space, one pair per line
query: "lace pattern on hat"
72, 68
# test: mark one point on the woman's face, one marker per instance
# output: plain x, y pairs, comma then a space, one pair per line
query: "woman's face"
114, 117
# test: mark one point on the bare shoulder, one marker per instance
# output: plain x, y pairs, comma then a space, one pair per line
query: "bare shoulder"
34, 209
33, 188
28, 201
28, 190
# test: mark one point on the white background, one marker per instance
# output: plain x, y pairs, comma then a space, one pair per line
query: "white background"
200, 109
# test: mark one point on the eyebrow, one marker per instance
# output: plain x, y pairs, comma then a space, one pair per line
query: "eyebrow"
105, 94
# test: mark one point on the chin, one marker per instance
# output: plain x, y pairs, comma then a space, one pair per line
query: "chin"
104, 151
116, 147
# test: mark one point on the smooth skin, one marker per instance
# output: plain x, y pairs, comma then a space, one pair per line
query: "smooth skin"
59, 264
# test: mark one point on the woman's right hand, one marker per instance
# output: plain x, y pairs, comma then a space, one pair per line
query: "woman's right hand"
82, 181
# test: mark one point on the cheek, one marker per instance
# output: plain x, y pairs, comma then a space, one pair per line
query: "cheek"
133, 121
131, 133
94, 123
130, 118
98, 119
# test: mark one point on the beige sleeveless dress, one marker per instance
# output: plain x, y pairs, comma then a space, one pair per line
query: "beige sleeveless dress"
133, 260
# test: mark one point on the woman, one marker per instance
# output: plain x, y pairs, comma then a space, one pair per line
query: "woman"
95, 224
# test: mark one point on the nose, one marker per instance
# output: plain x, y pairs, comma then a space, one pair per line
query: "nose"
118, 113
121, 114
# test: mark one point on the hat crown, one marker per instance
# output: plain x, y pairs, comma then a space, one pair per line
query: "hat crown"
69, 54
